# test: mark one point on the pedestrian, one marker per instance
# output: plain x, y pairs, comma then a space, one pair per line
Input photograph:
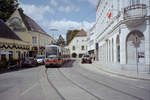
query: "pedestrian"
94, 58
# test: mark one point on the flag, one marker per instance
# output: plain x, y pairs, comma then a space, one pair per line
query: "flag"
109, 14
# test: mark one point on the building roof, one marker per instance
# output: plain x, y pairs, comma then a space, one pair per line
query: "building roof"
6, 32
31, 24
81, 33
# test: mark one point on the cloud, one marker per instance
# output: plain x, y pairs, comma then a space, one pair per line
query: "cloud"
36, 12
64, 25
53, 2
68, 9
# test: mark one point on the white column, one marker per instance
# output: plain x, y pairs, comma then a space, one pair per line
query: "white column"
122, 49
147, 45
106, 52
115, 50
110, 50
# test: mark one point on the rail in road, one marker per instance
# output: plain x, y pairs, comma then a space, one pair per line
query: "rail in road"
57, 91
53, 86
82, 87
96, 81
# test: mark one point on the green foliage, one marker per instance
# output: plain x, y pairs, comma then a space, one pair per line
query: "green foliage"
60, 41
7, 7
70, 35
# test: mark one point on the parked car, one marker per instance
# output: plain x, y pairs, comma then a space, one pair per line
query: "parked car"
86, 59
40, 59
12, 65
29, 61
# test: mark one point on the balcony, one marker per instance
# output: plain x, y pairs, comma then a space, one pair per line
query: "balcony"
135, 15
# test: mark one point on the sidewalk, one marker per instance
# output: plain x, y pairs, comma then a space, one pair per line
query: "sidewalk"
123, 73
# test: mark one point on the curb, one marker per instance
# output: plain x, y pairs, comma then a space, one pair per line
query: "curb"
123, 75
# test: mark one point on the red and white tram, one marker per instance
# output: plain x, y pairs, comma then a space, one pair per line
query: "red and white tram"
56, 55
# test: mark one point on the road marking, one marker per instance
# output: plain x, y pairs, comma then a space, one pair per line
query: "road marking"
30, 88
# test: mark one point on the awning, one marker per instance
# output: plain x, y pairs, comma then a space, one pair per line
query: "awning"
3, 52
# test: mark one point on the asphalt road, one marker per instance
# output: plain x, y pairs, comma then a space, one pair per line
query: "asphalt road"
73, 81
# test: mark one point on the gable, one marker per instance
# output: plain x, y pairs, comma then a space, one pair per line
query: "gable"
15, 22
6, 32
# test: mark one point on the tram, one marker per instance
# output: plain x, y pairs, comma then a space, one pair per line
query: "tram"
56, 55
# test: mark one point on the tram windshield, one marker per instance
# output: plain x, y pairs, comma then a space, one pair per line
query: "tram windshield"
51, 51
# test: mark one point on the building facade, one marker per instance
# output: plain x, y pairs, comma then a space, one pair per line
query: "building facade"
78, 45
30, 32
123, 34
11, 46
91, 41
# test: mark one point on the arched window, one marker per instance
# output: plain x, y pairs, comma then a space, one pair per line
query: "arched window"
135, 47
73, 48
82, 48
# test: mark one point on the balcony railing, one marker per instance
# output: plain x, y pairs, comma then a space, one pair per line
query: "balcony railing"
135, 14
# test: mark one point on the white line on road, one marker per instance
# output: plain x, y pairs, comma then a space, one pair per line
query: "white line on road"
30, 88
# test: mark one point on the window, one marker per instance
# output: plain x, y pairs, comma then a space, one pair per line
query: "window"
82, 48
73, 48
3, 57
34, 40
19, 54
10, 55
134, 2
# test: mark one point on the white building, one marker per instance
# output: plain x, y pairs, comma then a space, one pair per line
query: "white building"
78, 45
123, 34
91, 41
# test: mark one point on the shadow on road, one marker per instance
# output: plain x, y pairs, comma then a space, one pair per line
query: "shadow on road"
67, 64
16, 69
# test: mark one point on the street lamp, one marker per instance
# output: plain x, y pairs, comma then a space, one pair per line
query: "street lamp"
53, 34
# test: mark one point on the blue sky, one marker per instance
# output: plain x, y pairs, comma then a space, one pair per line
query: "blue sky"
61, 14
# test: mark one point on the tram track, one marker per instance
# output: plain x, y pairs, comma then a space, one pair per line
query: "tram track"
84, 88
57, 91
52, 85
98, 82
98, 98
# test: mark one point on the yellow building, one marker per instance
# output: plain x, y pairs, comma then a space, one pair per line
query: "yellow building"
11, 45
30, 32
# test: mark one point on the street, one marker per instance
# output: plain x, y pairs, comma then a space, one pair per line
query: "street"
72, 81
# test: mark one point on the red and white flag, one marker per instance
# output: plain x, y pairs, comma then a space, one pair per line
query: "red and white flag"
109, 14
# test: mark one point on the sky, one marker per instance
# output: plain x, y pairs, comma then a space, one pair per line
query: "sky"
61, 15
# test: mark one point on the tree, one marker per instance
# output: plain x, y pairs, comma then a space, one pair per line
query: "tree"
71, 34
7, 7
61, 41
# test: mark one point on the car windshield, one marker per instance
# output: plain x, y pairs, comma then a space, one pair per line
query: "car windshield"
29, 58
39, 57
86, 56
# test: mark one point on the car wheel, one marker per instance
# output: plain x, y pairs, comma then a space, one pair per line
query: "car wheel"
90, 62
46, 66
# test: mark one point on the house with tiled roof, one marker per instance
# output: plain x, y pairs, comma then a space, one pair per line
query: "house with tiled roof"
11, 45
29, 31
78, 45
